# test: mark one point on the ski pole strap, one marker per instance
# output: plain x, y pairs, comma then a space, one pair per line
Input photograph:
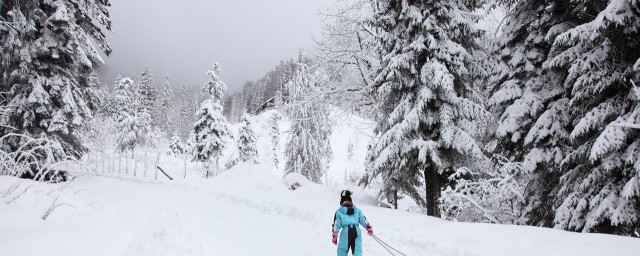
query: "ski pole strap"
387, 246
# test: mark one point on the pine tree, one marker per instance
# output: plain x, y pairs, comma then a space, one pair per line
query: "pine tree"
600, 184
274, 133
48, 60
425, 121
308, 150
247, 148
210, 126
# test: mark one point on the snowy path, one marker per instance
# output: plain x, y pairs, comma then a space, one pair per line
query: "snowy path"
249, 212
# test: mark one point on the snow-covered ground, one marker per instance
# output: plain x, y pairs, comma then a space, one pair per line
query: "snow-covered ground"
247, 210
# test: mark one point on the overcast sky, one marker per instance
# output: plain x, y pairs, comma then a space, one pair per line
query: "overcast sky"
183, 38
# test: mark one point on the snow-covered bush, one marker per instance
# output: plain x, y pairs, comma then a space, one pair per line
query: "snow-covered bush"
40, 159
175, 146
295, 180
495, 194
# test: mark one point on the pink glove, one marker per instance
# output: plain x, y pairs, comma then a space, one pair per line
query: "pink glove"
334, 240
369, 230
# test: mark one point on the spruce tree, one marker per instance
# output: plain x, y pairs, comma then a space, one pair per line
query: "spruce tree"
600, 184
165, 105
184, 112
425, 121
531, 102
308, 150
48, 62
147, 90
274, 133
210, 127
132, 123
247, 148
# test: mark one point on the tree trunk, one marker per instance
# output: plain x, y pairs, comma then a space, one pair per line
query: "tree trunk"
102, 162
432, 187
146, 163
157, 163
185, 164
395, 199
217, 166
135, 162
126, 163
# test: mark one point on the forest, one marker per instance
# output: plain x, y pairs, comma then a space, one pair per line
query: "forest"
492, 111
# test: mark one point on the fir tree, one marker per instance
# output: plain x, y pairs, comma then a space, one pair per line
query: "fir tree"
247, 148
308, 150
425, 122
210, 126
48, 62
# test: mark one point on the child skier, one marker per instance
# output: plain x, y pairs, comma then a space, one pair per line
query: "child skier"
347, 219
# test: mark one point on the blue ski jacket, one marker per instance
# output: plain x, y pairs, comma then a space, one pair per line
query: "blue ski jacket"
346, 221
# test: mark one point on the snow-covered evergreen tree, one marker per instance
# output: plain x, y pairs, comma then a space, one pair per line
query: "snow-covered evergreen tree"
184, 113
164, 107
210, 126
147, 91
425, 122
48, 60
532, 103
247, 147
600, 186
133, 124
308, 150
274, 133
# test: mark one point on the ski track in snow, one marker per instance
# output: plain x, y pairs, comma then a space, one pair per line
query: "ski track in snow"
248, 211
151, 240
130, 216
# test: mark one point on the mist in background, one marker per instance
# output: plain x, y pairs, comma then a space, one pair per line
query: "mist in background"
182, 39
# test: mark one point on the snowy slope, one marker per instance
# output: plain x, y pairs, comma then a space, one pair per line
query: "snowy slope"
246, 211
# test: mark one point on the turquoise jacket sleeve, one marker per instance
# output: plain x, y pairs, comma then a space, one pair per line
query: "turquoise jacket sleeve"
362, 219
336, 223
